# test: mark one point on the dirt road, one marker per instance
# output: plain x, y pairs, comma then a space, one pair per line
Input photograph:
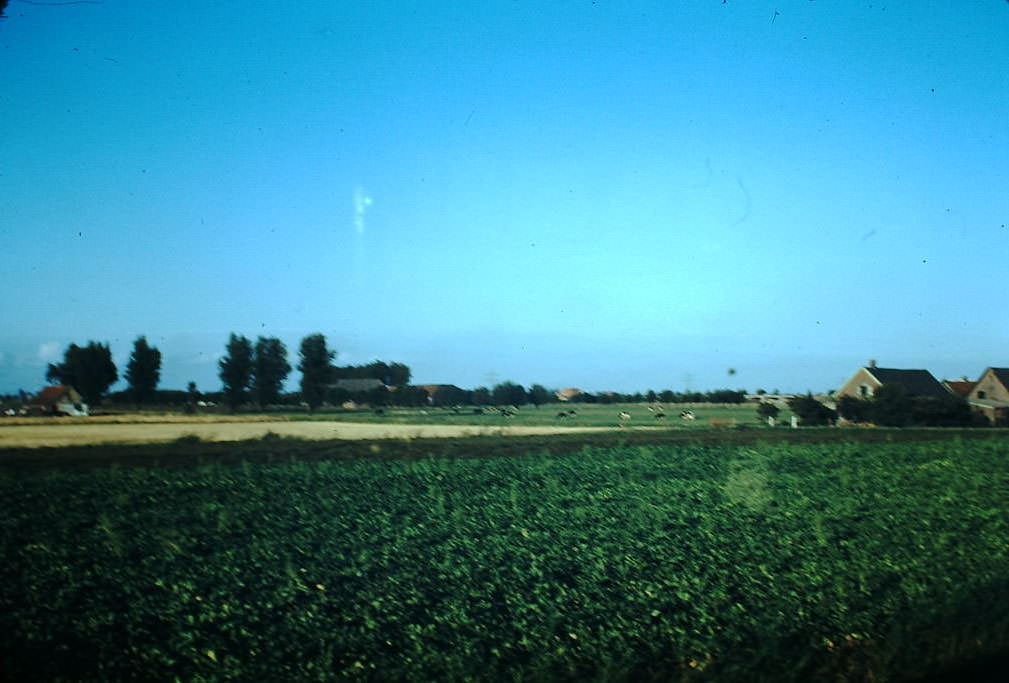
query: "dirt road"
82, 433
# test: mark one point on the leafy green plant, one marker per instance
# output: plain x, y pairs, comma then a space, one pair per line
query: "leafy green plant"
646, 560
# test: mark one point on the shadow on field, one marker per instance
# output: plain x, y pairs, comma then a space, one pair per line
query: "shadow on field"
190, 450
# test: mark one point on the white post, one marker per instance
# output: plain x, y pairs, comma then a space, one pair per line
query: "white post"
795, 422
770, 420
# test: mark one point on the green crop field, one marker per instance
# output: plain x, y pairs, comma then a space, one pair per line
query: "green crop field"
631, 560
574, 414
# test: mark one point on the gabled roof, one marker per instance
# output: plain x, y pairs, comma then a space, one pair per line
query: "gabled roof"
914, 382
1002, 374
434, 388
570, 392
51, 395
357, 384
958, 386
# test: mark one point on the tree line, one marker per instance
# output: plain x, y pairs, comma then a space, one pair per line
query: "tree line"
250, 373
254, 373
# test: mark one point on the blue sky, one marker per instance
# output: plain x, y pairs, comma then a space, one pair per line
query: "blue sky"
607, 195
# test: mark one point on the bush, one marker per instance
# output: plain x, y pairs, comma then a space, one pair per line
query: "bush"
948, 411
811, 412
892, 407
854, 409
766, 410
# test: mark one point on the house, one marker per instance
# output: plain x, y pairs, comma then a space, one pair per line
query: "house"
990, 395
58, 400
357, 385
569, 394
866, 380
443, 394
958, 387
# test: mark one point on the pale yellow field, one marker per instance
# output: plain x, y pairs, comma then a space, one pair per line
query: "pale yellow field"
69, 431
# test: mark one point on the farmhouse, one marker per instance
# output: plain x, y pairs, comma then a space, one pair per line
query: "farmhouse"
357, 385
866, 380
58, 400
958, 387
569, 394
443, 394
990, 395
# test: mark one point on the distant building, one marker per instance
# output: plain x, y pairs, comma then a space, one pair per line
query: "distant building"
958, 387
357, 385
990, 395
443, 394
866, 380
569, 394
58, 400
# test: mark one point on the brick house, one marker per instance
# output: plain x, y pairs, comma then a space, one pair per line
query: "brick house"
58, 400
866, 380
959, 387
990, 395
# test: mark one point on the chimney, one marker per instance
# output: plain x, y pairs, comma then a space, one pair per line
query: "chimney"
872, 362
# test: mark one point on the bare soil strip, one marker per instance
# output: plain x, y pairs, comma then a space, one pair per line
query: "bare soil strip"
80, 434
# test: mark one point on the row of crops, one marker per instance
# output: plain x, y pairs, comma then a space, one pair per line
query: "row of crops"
642, 561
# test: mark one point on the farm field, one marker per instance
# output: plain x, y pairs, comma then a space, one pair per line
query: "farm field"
79, 433
357, 424
629, 559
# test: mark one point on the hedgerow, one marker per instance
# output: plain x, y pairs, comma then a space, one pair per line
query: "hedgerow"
723, 562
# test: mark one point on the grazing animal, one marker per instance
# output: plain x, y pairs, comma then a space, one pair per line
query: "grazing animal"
660, 416
687, 414
624, 415
562, 414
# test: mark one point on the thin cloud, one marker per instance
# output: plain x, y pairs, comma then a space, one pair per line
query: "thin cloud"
362, 200
49, 352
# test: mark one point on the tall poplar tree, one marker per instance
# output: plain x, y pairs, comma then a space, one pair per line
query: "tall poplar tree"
143, 372
269, 370
316, 369
236, 370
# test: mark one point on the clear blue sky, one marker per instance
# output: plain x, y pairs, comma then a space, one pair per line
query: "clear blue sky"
608, 195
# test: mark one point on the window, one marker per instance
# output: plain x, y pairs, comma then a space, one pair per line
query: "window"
981, 394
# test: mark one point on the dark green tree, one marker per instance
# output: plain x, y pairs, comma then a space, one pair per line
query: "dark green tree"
379, 397
143, 372
891, 406
236, 370
539, 394
509, 394
269, 370
854, 409
481, 396
766, 409
89, 369
810, 411
945, 411
192, 396
399, 375
316, 369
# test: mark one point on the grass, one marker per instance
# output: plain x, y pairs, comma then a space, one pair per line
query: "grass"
586, 414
